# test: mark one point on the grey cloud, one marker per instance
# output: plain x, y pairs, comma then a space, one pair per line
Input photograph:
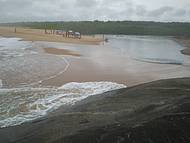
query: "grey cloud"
50, 10
180, 12
160, 11
141, 10
86, 3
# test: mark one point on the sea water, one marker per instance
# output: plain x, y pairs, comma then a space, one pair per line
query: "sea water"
11, 47
25, 104
22, 63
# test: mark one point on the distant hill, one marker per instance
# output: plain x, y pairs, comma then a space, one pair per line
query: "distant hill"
114, 27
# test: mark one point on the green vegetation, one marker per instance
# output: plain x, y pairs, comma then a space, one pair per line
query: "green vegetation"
115, 27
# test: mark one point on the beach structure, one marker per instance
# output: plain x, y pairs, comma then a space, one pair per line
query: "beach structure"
69, 33
77, 35
60, 32
72, 34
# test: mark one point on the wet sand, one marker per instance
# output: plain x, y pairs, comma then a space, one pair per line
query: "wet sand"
29, 34
101, 63
57, 51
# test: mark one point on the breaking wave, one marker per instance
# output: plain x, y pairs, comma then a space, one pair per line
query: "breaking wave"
25, 104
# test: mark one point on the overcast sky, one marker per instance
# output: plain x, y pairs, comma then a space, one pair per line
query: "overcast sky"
70, 10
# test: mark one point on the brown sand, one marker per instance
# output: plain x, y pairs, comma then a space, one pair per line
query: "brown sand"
57, 51
28, 34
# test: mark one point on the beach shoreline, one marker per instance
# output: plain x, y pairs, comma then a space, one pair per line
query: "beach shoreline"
83, 64
28, 34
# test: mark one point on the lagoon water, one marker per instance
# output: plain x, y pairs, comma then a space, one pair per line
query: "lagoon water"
149, 48
33, 83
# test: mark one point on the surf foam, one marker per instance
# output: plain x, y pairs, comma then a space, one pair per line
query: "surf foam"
22, 105
13, 47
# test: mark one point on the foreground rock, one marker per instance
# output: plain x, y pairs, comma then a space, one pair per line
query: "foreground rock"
157, 112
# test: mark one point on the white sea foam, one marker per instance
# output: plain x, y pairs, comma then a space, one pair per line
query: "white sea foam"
21, 105
13, 47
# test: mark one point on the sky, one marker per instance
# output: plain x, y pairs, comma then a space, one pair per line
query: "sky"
83, 10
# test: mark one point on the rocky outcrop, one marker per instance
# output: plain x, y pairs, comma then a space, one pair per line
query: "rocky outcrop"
157, 112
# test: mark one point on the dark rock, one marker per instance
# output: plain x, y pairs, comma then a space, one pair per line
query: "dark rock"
157, 112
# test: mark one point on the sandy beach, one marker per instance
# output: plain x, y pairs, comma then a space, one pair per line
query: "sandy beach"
29, 34
57, 63
57, 51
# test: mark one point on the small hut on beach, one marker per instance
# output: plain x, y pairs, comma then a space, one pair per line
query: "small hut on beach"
73, 34
77, 35
60, 32
69, 33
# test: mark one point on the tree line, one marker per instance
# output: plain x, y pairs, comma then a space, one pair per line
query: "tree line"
113, 27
